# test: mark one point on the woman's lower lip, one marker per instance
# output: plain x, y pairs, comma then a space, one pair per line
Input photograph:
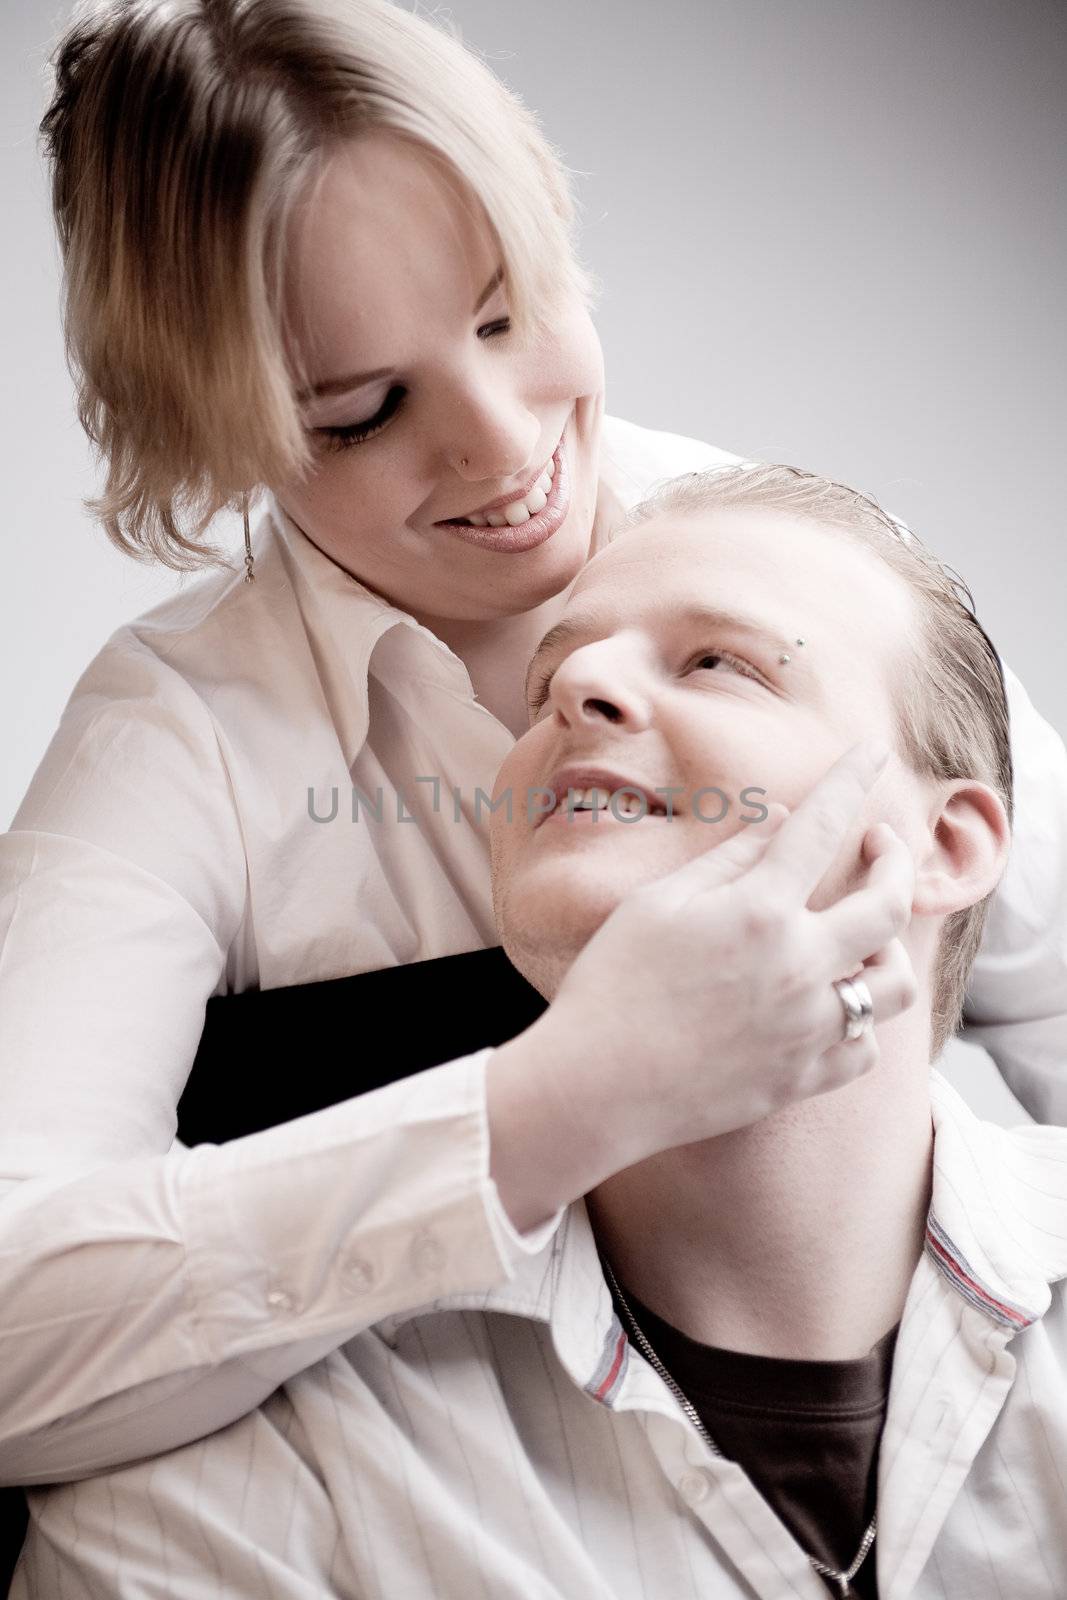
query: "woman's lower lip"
536, 529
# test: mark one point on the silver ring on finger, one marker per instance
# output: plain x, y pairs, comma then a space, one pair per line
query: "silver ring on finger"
858, 1006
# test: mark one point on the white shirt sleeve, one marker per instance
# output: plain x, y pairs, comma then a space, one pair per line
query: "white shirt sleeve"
150, 1294
151, 1301
1017, 994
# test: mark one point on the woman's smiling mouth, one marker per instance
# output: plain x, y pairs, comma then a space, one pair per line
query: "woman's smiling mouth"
521, 524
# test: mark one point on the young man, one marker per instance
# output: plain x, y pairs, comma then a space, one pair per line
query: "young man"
803, 1356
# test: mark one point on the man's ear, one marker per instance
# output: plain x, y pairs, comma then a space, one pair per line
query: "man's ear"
969, 839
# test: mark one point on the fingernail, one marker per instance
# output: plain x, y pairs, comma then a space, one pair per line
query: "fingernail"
878, 752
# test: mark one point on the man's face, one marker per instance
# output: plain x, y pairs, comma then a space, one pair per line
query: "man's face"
657, 695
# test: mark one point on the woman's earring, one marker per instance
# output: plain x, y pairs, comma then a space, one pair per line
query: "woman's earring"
250, 576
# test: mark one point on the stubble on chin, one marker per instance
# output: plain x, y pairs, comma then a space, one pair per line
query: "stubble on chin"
542, 954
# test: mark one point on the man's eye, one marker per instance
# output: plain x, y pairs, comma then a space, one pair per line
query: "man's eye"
745, 668
539, 694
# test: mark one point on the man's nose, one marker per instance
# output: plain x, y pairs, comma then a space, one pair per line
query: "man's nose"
601, 683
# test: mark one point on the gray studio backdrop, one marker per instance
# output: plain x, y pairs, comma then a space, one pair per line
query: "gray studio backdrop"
831, 232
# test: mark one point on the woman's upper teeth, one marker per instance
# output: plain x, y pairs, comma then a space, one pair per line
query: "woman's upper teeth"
519, 510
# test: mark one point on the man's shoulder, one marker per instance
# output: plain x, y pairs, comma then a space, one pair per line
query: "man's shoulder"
636, 459
1000, 1198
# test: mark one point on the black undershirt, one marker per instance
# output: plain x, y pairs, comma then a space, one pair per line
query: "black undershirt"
805, 1432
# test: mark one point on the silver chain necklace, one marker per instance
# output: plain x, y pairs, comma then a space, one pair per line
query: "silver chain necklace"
842, 1579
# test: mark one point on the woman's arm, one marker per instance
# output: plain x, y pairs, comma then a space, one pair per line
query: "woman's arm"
153, 1300
1017, 996
144, 1290
150, 1295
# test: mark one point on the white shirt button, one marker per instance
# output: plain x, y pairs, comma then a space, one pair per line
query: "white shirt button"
359, 1274
693, 1486
427, 1255
280, 1300
941, 1414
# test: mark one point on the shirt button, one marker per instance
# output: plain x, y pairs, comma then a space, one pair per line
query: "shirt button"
280, 1300
693, 1486
942, 1413
359, 1274
427, 1255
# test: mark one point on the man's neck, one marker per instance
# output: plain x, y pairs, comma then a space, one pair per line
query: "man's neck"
796, 1237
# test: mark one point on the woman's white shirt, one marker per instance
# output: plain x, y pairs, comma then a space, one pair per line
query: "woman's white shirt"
167, 850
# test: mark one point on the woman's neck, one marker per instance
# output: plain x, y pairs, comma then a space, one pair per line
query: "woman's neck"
495, 654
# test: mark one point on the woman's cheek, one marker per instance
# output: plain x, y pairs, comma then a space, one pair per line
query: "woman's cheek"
569, 364
586, 355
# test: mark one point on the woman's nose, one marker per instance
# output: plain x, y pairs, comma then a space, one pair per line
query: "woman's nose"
492, 436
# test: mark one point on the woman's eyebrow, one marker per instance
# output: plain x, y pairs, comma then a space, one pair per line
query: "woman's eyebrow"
572, 630
355, 380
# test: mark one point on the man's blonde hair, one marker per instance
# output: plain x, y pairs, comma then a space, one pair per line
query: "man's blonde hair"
180, 134
951, 708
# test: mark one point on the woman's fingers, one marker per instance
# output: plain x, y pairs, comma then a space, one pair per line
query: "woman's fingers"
721, 865
810, 840
880, 908
743, 849
890, 977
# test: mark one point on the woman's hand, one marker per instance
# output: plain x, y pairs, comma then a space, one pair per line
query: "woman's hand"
705, 1001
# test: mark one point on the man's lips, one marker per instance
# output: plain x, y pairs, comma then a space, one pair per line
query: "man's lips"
582, 777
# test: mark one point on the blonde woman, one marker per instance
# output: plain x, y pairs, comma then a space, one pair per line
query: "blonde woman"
321, 262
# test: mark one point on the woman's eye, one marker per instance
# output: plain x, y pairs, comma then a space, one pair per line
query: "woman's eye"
489, 329
358, 432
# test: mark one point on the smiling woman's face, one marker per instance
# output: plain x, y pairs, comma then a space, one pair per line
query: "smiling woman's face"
429, 406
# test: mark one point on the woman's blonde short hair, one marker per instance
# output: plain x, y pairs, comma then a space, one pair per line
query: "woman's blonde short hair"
180, 133
951, 707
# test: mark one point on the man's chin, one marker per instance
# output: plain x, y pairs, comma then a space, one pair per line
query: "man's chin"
542, 939
543, 969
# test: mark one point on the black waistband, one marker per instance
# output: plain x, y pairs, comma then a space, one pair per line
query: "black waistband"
266, 1056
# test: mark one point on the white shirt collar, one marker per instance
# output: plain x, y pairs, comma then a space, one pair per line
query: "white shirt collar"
997, 1233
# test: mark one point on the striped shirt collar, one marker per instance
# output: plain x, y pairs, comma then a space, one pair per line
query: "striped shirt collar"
996, 1233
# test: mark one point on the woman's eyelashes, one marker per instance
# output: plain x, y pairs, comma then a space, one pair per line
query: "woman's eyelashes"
339, 438
357, 432
539, 694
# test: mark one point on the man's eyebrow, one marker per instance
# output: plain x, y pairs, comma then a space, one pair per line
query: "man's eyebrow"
355, 380
572, 630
